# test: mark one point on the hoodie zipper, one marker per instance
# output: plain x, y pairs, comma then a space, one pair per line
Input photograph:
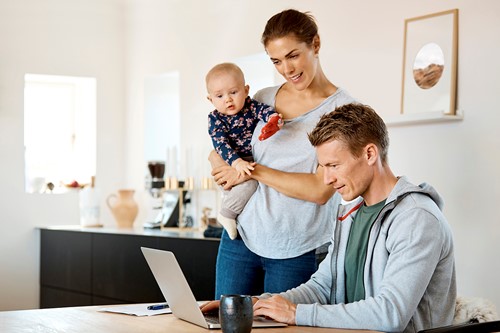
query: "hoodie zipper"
336, 239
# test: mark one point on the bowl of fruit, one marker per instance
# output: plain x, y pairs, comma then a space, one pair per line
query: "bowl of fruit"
74, 185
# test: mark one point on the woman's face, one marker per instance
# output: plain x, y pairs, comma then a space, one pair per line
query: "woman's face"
296, 61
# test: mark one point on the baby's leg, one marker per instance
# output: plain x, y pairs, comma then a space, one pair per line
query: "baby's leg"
233, 203
229, 224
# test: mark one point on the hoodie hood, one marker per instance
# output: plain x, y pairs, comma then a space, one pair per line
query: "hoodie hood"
404, 187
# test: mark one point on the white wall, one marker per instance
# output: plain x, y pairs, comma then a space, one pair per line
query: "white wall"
361, 51
59, 37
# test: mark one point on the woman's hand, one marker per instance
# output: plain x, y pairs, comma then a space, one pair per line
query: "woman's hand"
277, 308
227, 177
224, 175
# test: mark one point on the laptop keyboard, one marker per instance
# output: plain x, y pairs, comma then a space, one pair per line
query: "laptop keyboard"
211, 318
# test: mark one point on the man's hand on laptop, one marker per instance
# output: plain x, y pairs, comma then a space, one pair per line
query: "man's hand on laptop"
211, 306
277, 308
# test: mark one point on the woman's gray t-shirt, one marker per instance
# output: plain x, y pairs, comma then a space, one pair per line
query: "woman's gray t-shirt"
276, 226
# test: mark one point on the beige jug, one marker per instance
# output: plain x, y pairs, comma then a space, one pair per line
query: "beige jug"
123, 207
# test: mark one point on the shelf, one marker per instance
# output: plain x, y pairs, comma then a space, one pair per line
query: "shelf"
422, 118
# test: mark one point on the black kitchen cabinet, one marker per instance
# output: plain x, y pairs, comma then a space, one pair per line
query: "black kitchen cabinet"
95, 266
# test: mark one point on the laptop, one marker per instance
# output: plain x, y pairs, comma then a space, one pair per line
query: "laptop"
178, 294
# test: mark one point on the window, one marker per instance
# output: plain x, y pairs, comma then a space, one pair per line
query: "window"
59, 132
259, 71
162, 119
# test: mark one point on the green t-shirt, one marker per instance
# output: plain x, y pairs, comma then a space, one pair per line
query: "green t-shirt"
356, 251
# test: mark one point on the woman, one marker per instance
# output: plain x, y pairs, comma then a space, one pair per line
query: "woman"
289, 217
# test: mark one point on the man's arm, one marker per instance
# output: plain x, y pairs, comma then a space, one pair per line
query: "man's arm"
282, 307
415, 250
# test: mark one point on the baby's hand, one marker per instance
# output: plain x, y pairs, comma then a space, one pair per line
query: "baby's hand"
243, 167
273, 125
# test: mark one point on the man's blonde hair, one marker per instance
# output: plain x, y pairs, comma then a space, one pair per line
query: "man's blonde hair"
356, 125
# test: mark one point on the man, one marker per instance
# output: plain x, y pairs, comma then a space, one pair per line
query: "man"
390, 266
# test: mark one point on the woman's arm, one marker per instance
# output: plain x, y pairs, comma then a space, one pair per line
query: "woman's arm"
303, 186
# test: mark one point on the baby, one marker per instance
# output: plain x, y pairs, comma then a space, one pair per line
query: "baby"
231, 127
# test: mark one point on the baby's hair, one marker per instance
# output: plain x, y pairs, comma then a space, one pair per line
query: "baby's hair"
225, 68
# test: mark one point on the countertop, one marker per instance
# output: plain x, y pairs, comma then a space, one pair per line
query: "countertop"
191, 233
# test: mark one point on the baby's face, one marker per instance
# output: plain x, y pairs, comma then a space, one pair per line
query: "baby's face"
227, 93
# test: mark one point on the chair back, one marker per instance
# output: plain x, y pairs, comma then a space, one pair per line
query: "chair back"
484, 327
474, 309
472, 315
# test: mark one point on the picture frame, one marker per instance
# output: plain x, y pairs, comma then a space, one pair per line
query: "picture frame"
430, 50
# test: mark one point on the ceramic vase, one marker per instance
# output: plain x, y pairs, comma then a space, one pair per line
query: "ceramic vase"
124, 207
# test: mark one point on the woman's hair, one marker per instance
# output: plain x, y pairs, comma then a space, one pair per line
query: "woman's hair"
290, 22
355, 125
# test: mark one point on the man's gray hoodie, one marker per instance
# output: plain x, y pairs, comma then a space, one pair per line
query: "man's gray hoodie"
409, 272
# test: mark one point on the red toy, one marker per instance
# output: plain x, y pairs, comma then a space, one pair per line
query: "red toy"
273, 125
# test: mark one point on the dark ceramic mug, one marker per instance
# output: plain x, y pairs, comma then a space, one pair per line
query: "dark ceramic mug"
236, 313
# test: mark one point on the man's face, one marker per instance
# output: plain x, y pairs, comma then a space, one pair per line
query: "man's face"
349, 175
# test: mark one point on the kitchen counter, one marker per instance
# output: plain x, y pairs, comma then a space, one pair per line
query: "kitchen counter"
191, 233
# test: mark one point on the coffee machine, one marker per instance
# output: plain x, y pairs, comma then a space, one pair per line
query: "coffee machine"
155, 182
164, 203
167, 198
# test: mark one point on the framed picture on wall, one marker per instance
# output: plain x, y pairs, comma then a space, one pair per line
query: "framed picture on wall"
430, 64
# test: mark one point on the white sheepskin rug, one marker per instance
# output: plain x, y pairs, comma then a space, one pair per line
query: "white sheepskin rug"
474, 309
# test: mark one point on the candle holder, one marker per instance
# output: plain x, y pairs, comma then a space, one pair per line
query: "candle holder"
207, 183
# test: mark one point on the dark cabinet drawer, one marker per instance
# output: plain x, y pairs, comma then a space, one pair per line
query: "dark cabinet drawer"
197, 260
120, 270
65, 260
58, 298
